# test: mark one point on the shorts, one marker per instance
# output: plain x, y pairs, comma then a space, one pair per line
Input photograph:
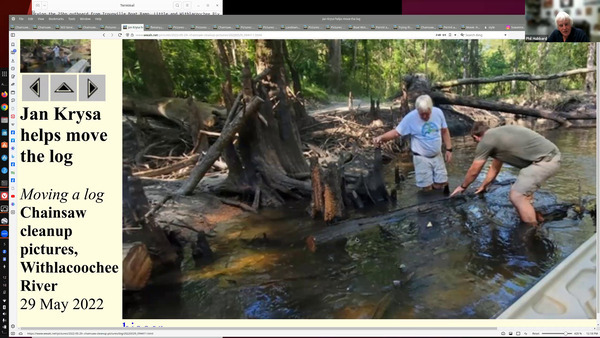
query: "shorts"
532, 177
430, 170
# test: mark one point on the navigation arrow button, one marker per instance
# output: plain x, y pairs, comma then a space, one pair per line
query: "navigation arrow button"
64, 88
91, 88
35, 87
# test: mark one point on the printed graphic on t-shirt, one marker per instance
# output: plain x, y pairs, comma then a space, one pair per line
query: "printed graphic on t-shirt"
429, 130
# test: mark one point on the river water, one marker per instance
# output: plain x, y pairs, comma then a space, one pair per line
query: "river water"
468, 261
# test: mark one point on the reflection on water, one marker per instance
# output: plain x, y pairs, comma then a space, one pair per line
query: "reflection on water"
471, 260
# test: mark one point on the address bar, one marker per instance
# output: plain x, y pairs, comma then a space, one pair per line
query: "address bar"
450, 35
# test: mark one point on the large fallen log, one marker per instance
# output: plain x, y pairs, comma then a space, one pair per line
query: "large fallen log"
176, 110
441, 98
355, 226
345, 229
510, 77
78, 67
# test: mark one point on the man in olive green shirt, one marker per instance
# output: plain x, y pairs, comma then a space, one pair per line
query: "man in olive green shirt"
537, 157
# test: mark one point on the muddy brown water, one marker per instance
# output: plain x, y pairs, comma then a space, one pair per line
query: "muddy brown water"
462, 266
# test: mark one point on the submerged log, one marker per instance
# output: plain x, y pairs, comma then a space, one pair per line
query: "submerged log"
355, 226
505, 211
137, 266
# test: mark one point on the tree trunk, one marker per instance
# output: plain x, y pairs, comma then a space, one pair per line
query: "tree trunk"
215, 150
333, 200
542, 53
316, 177
226, 87
233, 53
425, 54
269, 144
513, 85
474, 65
367, 80
153, 69
590, 77
354, 58
335, 64
465, 60
298, 101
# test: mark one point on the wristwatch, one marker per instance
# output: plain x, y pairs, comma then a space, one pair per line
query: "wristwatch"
449, 149
464, 188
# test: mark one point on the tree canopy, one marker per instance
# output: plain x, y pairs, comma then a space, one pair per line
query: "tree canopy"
366, 67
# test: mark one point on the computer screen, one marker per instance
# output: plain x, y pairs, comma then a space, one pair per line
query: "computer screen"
290, 175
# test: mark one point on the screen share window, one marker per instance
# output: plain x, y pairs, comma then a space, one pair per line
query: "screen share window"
269, 172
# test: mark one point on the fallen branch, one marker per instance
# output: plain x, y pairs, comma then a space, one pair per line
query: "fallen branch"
168, 169
185, 226
158, 206
441, 98
511, 77
215, 150
210, 133
240, 205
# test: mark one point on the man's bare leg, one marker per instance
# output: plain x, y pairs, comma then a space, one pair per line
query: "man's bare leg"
444, 186
438, 186
523, 205
538, 215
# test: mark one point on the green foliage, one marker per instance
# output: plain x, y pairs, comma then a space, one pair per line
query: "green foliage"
132, 78
316, 93
193, 67
53, 42
368, 67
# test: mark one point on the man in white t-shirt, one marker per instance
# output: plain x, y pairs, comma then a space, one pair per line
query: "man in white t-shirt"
427, 127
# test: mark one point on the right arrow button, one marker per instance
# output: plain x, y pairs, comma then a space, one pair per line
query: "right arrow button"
91, 88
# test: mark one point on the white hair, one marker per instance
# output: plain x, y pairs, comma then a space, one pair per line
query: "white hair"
423, 103
562, 16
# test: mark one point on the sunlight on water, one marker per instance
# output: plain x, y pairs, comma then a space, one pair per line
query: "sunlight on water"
462, 260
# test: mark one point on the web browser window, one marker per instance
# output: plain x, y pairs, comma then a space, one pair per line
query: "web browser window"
297, 175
